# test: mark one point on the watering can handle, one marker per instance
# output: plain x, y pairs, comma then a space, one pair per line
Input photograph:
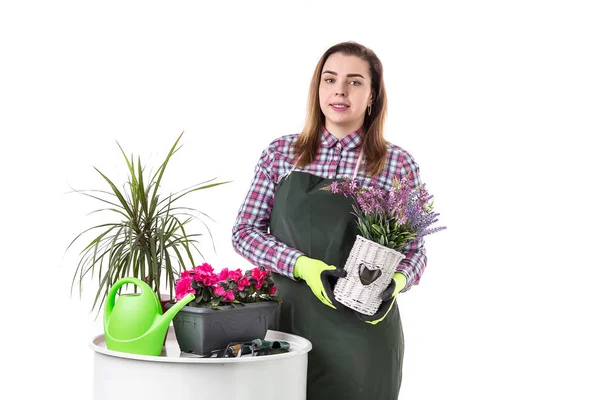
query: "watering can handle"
112, 294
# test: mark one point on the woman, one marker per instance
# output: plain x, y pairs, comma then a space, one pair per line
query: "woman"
304, 234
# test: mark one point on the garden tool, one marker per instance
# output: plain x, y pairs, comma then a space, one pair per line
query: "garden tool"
256, 347
258, 344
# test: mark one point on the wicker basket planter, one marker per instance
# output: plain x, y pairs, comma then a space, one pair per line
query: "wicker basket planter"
370, 267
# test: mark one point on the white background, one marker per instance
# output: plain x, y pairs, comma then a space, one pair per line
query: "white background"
497, 101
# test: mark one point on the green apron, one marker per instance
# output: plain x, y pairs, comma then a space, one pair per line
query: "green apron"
350, 359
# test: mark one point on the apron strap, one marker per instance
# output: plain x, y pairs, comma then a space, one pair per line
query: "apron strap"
284, 176
357, 164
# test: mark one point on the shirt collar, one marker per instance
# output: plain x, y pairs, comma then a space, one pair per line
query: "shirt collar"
348, 142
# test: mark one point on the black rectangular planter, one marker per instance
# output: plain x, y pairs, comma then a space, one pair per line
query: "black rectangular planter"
202, 330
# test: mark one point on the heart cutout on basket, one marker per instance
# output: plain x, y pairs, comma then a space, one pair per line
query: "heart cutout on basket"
366, 275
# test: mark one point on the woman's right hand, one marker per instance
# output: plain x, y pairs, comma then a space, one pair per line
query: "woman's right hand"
316, 274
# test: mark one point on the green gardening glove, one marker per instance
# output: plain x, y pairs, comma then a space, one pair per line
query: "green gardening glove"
320, 277
389, 300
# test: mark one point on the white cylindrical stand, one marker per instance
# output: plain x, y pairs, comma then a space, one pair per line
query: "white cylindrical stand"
173, 375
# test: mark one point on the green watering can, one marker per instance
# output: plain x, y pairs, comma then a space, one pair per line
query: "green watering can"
136, 324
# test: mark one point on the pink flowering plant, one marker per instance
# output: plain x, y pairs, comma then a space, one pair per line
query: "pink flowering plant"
227, 287
391, 217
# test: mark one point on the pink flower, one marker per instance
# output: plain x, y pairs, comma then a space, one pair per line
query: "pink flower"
242, 283
204, 273
219, 291
187, 274
259, 275
183, 287
206, 268
223, 274
224, 286
236, 274
229, 296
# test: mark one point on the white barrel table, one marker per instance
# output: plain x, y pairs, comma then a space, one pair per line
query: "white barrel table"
175, 375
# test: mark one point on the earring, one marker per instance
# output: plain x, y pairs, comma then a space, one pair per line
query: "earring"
369, 110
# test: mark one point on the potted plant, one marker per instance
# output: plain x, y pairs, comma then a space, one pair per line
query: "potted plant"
387, 221
229, 306
146, 238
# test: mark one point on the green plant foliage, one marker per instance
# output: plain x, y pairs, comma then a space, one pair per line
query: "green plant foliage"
147, 236
380, 229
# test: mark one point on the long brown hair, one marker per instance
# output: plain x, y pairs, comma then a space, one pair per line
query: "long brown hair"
373, 144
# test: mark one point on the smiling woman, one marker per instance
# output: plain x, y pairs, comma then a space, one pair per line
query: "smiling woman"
304, 235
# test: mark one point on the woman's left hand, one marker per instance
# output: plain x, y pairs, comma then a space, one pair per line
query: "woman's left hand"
389, 299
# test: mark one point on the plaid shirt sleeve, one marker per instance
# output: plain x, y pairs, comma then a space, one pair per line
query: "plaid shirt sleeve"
412, 266
250, 235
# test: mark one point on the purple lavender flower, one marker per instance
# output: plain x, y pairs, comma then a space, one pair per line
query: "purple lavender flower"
391, 217
334, 187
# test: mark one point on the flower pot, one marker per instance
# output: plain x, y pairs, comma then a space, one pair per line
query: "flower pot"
203, 330
370, 267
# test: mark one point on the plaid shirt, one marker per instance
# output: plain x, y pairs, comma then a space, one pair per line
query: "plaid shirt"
335, 159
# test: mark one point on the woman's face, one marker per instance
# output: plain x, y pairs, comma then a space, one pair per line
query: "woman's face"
344, 93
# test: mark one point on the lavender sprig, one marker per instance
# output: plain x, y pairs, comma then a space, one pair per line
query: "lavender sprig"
391, 217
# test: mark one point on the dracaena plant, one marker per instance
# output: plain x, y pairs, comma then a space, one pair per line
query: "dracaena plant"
145, 234
391, 217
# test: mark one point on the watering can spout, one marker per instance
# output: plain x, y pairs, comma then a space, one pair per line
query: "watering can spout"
168, 316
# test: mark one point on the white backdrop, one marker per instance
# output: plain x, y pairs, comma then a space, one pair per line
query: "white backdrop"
497, 101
